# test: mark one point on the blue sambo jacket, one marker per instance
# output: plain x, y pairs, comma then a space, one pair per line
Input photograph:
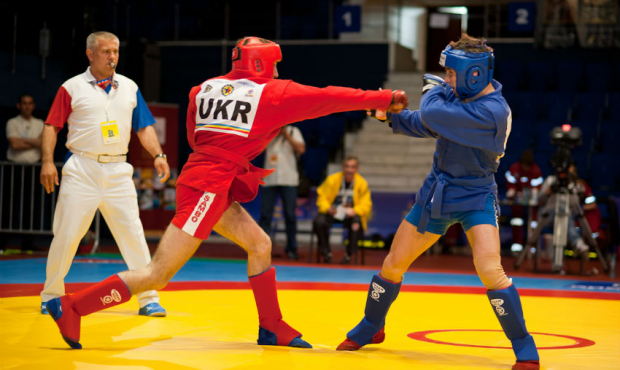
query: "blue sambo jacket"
471, 138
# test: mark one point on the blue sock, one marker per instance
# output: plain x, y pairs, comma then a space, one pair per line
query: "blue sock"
381, 294
507, 307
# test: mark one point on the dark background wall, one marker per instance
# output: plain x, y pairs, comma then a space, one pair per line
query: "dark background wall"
144, 27
169, 46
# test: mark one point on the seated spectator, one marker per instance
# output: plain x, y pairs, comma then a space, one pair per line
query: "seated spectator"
343, 197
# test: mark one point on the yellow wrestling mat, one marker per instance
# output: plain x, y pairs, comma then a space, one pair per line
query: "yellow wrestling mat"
217, 329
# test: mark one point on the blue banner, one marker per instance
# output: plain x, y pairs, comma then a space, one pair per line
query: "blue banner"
348, 18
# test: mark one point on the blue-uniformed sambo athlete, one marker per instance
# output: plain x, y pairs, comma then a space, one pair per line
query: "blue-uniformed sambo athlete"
471, 121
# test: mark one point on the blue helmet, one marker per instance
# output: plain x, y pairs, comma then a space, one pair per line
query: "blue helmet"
465, 64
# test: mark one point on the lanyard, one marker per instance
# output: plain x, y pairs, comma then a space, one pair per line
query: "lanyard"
106, 105
343, 188
112, 85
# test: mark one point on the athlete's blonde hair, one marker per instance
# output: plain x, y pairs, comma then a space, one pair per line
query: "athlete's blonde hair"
471, 44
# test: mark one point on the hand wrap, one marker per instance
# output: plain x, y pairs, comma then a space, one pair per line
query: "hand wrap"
399, 101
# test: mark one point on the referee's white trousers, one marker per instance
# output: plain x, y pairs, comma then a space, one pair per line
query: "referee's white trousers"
87, 185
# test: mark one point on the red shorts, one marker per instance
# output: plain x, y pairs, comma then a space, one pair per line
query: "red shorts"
198, 211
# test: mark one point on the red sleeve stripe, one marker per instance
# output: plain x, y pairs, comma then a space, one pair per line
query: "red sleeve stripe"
60, 110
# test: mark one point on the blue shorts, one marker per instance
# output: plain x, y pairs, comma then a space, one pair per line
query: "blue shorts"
468, 219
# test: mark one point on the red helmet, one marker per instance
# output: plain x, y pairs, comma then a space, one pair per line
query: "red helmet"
256, 55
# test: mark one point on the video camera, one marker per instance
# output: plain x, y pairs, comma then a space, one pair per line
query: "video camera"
565, 137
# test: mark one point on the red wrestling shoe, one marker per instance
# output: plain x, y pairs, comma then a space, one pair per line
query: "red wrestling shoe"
526, 365
67, 319
349, 345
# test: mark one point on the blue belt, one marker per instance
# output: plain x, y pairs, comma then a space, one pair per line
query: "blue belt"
436, 192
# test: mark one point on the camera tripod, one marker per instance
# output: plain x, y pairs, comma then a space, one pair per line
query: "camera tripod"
566, 204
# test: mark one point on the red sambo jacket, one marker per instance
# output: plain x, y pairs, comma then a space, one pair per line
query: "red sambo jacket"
232, 118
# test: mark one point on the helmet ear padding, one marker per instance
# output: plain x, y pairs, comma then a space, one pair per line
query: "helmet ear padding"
474, 77
236, 54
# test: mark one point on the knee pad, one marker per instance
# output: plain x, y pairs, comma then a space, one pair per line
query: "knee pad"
490, 271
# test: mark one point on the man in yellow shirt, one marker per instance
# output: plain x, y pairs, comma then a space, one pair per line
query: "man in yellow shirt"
343, 197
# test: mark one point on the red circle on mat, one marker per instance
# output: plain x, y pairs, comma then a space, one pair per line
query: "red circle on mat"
422, 336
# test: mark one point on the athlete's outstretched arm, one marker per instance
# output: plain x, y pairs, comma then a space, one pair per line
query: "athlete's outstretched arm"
299, 102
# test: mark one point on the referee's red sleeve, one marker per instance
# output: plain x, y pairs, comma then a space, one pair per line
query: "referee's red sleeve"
60, 110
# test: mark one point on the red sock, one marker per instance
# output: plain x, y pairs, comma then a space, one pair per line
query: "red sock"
108, 293
266, 296
269, 314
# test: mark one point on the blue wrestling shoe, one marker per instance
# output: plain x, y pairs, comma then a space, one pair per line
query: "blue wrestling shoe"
153, 309
269, 338
44, 309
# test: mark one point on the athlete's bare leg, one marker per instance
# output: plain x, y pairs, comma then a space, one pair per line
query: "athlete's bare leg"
408, 245
177, 247
485, 244
237, 225
484, 239
174, 250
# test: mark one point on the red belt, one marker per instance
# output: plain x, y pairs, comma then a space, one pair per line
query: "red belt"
217, 154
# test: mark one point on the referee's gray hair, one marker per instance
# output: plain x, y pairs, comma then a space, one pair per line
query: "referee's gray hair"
93, 39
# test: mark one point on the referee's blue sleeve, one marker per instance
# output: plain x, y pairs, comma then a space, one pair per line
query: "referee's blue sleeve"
142, 116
